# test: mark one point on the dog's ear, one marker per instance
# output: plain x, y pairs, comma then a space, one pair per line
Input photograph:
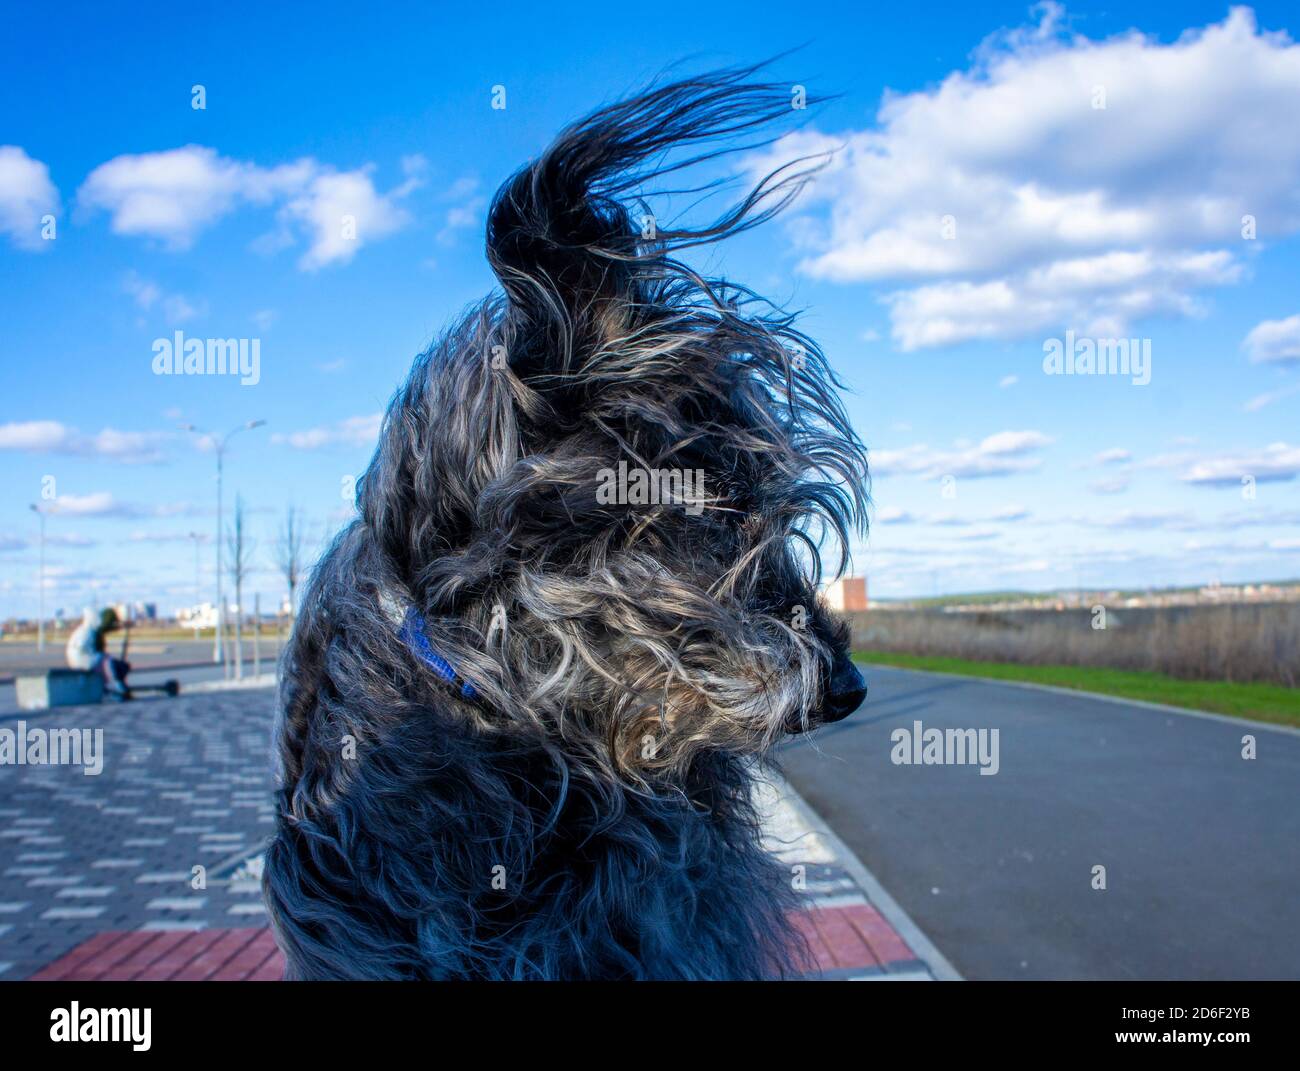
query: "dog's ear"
574, 264
603, 348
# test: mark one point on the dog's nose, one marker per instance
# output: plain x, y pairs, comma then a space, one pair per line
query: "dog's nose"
843, 691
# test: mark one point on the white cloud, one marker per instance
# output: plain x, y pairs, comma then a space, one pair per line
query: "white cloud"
1256, 515
52, 437
1176, 460
340, 211
26, 194
1078, 294
1014, 442
466, 211
1140, 519
177, 308
1061, 215
58, 539
1276, 462
1114, 456
354, 431
1258, 402
103, 504
176, 194
1115, 486
1008, 381
167, 537
97, 504
897, 515
1275, 341
1002, 454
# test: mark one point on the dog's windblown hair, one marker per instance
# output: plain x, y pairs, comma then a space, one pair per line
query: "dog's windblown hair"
520, 719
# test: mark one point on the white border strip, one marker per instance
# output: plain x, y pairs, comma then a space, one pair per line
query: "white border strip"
910, 932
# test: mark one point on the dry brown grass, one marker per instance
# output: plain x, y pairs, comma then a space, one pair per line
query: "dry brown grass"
1246, 642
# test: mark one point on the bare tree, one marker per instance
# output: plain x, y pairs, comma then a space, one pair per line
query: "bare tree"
239, 549
288, 555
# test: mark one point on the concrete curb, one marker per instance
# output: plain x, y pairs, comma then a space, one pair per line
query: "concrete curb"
940, 967
1079, 693
264, 680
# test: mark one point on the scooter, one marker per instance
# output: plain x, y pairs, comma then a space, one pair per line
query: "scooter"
170, 687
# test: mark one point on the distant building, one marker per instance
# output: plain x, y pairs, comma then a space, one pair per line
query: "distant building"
847, 595
202, 616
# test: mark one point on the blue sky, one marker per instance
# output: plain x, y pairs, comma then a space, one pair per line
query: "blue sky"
981, 203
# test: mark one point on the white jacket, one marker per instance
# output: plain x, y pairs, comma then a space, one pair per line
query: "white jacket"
81, 653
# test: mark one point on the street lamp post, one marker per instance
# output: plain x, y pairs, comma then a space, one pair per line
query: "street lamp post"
219, 444
40, 621
198, 587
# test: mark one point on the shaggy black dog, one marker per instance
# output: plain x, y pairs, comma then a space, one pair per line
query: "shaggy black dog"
529, 688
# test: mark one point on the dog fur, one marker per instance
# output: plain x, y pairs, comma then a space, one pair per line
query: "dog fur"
568, 794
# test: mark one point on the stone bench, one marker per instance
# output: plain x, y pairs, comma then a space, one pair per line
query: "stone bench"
59, 688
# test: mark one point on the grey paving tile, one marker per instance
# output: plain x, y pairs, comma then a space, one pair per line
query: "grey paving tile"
186, 781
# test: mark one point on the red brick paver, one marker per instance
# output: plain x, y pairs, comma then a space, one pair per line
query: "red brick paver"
840, 939
83, 953
884, 940
181, 956
191, 945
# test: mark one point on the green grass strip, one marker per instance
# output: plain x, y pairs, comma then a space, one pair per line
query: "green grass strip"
1262, 702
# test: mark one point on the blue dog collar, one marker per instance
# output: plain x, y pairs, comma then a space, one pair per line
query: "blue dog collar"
413, 632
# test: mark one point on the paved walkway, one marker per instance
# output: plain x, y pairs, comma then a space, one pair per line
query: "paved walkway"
98, 880
185, 783
854, 930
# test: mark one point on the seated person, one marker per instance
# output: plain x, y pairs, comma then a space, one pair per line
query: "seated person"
86, 649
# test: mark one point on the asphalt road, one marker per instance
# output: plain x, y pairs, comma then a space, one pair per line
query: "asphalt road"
20, 656
1201, 847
